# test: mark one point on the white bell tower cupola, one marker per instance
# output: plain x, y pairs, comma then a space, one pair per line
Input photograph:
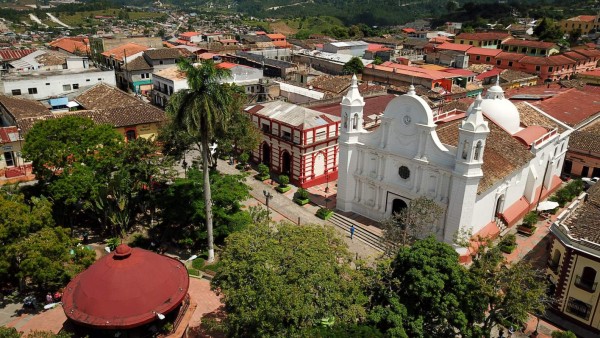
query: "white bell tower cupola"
352, 112
472, 133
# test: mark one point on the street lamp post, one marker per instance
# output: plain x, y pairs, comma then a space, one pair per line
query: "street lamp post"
268, 196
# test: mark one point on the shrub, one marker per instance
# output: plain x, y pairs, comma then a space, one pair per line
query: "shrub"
193, 272
140, 241
508, 243
244, 158
263, 169
530, 219
302, 194
283, 189
213, 268
198, 263
324, 213
284, 180
263, 172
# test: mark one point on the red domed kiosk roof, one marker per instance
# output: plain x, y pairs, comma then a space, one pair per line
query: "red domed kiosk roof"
126, 289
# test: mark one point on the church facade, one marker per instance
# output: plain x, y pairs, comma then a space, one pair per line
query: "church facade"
486, 167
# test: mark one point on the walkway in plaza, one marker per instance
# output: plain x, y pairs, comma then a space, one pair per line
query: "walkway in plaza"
283, 207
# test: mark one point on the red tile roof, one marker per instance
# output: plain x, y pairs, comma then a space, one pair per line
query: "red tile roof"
588, 52
276, 36
9, 134
553, 60
529, 43
411, 71
409, 30
453, 46
14, 54
226, 65
189, 34
584, 18
482, 36
483, 51
461, 72
572, 106
206, 56
71, 45
509, 56
594, 73
374, 106
128, 49
575, 56
489, 73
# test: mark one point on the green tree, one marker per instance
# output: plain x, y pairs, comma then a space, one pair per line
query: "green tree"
563, 334
354, 66
44, 258
420, 294
415, 221
548, 30
503, 294
204, 111
276, 283
54, 146
19, 218
185, 221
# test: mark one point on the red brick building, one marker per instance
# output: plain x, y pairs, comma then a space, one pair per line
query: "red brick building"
297, 141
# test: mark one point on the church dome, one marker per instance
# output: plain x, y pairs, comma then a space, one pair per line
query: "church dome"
500, 110
125, 289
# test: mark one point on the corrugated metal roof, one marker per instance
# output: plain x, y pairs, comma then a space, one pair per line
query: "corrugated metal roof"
294, 115
350, 44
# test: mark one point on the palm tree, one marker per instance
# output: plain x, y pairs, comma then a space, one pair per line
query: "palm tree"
203, 110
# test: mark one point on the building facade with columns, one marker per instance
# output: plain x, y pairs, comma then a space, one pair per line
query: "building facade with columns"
297, 141
487, 167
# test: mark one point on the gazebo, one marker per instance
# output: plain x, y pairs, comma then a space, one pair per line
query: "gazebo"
128, 290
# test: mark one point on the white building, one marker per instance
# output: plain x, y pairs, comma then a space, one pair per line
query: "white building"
167, 81
485, 167
41, 85
354, 48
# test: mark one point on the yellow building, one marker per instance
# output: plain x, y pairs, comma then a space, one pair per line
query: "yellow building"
574, 263
584, 23
491, 40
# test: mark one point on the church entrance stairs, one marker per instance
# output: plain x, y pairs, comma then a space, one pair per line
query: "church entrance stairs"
370, 238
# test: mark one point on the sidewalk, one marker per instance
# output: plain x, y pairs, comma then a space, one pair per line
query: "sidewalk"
282, 206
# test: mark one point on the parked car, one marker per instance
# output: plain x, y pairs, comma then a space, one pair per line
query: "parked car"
590, 181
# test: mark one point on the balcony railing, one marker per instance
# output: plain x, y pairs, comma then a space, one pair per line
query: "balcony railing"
579, 308
587, 285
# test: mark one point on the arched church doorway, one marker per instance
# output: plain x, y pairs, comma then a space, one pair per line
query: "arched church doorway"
499, 206
398, 205
266, 154
286, 163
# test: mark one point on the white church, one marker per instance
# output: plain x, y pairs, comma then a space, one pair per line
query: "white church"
487, 167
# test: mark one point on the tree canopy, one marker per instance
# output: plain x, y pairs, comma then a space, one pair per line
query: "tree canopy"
278, 280
354, 66
204, 111
425, 292
33, 249
417, 220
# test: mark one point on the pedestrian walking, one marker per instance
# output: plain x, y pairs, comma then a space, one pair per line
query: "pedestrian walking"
352, 229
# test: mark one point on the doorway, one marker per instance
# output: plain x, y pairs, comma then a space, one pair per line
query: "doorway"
266, 155
9, 159
286, 163
398, 205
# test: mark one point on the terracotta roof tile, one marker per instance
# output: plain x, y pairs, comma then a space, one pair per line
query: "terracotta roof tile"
331, 83
584, 223
482, 36
529, 43
14, 54
128, 49
586, 139
530, 116
71, 45
163, 53
503, 154
23, 108
572, 106
139, 63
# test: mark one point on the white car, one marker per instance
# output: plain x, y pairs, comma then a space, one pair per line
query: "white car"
591, 181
